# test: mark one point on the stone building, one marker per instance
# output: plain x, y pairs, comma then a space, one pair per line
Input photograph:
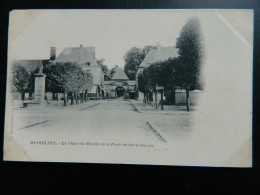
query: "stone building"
85, 58
120, 86
82, 56
156, 54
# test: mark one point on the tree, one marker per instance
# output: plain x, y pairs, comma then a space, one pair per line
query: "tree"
133, 58
21, 79
187, 68
104, 67
70, 78
112, 71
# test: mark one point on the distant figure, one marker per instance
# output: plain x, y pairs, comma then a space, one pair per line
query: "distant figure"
40, 68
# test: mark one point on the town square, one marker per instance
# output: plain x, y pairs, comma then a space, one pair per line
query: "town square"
129, 87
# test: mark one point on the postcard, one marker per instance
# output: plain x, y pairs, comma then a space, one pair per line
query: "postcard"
130, 86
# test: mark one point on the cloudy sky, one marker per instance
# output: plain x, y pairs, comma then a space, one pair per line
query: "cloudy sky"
112, 32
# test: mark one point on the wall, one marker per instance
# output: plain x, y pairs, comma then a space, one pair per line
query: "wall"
180, 97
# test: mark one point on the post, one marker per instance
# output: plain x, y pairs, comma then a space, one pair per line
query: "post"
162, 100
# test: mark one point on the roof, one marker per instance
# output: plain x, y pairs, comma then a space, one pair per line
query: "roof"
79, 55
120, 75
96, 73
30, 65
159, 54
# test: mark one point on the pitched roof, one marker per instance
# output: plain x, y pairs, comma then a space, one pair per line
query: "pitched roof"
30, 65
120, 75
79, 55
96, 73
158, 54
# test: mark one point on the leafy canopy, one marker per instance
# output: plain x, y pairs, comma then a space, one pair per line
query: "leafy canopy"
21, 78
133, 58
190, 50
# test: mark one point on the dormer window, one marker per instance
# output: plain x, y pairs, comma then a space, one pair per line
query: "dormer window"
88, 63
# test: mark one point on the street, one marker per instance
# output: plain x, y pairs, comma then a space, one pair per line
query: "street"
117, 131
57, 134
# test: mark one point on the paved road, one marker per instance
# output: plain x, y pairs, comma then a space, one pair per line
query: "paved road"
113, 123
113, 132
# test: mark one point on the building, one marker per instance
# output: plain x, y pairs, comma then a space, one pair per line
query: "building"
157, 53
120, 86
82, 56
85, 58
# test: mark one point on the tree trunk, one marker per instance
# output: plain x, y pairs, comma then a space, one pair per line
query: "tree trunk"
23, 95
82, 97
72, 99
156, 101
65, 98
85, 96
161, 100
188, 99
76, 94
174, 97
57, 97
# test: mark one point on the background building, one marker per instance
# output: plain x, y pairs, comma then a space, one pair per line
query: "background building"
85, 58
120, 86
156, 54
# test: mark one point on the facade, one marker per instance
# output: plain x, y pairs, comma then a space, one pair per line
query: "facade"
85, 58
120, 86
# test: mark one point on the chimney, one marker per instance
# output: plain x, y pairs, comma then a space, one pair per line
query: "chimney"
53, 53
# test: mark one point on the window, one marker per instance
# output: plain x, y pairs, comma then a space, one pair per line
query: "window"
88, 63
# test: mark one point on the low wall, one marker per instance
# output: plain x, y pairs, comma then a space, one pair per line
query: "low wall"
180, 97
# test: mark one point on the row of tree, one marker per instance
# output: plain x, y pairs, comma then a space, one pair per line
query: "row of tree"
182, 72
67, 78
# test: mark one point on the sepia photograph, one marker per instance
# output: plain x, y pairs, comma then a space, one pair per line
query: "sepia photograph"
130, 86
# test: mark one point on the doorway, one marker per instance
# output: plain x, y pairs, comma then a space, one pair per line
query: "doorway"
120, 91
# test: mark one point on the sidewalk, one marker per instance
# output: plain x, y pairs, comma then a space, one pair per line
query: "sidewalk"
173, 123
167, 109
51, 105
24, 117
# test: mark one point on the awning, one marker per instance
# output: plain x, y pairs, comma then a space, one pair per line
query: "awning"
93, 90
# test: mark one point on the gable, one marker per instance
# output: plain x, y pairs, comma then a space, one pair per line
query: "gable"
159, 54
120, 75
78, 55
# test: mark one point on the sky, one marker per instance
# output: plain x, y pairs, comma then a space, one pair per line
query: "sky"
112, 32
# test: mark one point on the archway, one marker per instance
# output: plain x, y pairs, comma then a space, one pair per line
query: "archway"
120, 91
